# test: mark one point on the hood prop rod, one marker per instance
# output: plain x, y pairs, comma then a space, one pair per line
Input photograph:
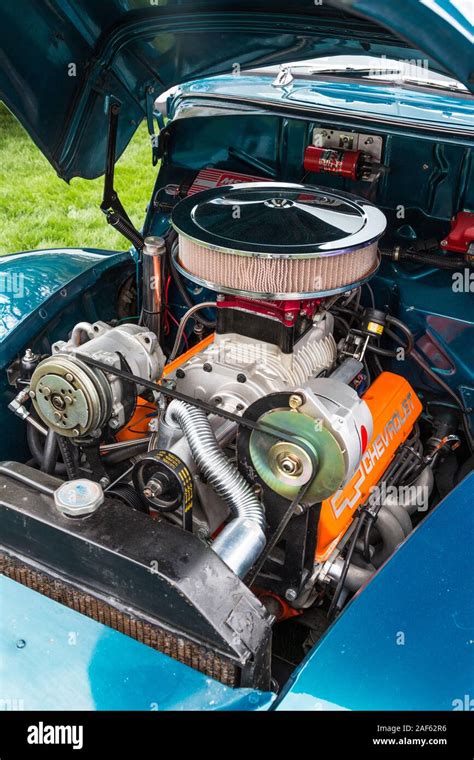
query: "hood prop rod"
111, 205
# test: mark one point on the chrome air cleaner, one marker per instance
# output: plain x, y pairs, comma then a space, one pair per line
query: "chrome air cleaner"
277, 240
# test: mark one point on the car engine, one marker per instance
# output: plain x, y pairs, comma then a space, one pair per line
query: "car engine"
259, 442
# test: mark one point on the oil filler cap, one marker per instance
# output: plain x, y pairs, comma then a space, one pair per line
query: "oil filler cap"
78, 498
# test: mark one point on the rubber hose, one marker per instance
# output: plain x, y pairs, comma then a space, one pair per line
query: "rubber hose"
34, 440
430, 259
404, 329
34, 444
50, 453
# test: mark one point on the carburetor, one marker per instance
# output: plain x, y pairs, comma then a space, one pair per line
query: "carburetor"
77, 400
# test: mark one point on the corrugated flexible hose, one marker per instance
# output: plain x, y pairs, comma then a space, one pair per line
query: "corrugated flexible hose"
242, 540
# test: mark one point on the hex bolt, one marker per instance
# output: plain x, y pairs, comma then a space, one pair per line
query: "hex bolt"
114, 424
153, 488
69, 377
290, 594
75, 431
296, 400
241, 378
32, 394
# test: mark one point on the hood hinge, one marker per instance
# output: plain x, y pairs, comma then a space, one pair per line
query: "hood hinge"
151, 114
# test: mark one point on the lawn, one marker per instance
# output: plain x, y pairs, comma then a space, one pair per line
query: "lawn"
39, 210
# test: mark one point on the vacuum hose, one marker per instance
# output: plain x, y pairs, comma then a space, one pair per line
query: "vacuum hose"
241, 542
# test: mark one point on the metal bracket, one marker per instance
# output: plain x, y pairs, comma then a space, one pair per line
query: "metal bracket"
336, 138
151, 114
111, 205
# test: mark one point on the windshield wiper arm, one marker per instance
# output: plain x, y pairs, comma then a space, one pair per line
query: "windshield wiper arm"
388, 75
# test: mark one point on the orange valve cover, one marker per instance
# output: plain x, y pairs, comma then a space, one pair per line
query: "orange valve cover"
395, 408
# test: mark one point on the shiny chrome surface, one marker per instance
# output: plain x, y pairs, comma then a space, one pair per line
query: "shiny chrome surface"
278, 220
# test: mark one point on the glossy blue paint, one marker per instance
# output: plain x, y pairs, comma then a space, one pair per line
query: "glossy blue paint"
406, 640
441, 317
437, 180
37, 285
61, 65
54, 658
409, 108
437, 25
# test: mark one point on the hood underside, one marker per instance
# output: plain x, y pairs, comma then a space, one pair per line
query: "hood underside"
61, 64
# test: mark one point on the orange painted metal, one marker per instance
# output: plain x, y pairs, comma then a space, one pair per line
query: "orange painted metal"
277, 605
172, 366
395, 408
138, 425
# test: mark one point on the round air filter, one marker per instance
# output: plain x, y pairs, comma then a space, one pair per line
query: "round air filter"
277, 240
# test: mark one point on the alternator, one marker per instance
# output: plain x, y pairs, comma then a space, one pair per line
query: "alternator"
328, 419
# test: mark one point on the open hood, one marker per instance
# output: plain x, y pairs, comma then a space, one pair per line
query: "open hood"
62, 63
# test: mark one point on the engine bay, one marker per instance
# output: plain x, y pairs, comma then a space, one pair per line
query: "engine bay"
245, 432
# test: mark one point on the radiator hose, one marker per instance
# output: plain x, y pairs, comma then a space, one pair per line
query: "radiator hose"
242, 541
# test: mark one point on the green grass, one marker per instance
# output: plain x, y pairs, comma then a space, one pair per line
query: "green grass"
39, 210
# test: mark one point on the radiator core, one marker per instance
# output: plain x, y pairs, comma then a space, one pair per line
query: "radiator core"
147, 632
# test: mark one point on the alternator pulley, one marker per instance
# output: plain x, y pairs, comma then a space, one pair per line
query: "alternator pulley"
285, 467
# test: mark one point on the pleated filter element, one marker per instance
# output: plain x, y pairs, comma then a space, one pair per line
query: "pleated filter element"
277, 240
257, 275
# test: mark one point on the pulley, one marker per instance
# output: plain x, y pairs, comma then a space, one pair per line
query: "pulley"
165, 483
285, 467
